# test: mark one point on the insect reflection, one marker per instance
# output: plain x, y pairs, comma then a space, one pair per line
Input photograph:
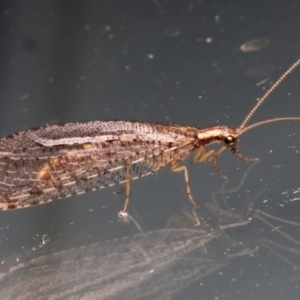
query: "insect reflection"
156, 264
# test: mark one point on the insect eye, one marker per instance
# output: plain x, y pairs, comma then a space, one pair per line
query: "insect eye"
229, 141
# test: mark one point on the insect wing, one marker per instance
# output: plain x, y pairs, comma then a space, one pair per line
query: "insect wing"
102, 270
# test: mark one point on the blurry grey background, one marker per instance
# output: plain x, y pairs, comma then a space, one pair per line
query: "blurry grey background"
161, 61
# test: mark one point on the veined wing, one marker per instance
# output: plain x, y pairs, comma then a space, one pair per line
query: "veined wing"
40, 165
103, 131
102, 271
33, 178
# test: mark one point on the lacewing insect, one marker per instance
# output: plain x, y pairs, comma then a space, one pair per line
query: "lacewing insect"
57, 161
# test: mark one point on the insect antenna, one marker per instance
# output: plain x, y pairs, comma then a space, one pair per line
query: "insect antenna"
266, 95
271, 245
242, 129
234, 218
230, 142
266, 243
258, 212
266, 122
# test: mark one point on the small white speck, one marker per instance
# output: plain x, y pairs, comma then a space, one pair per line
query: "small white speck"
209, 40
151, 271
150, 56
277, 166
24, 97
45, 239
107, 27
294, 199
176, 33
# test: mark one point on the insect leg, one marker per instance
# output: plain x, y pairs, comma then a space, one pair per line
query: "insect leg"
123, 213
241, 156
127, 188
202, 156
183, 169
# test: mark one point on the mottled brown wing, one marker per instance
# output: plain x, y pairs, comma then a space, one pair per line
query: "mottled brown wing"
31, 173
25, 181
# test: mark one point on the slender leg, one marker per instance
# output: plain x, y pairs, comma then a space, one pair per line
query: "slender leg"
186, 220
198, 221
136, 223
200, 152
202, 156
123, 213
241, 156
127, 188
187, 182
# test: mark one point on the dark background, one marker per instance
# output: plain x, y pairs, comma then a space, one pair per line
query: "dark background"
166, 62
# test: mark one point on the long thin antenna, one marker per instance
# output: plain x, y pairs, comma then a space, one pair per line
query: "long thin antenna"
243, 130
266, 95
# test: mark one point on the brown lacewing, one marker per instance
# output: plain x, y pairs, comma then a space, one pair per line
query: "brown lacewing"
58, 161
